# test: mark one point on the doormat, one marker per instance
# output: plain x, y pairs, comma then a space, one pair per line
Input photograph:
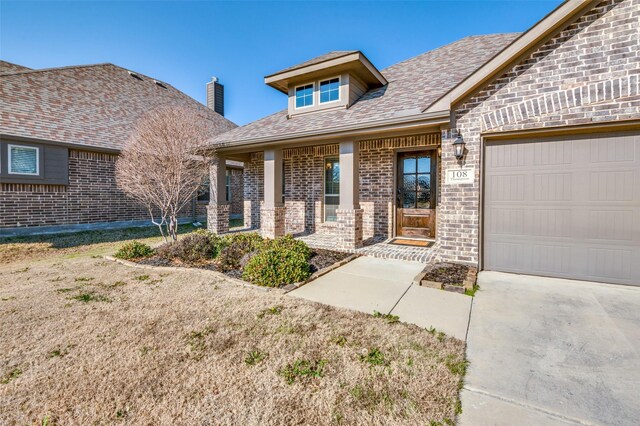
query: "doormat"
412, 243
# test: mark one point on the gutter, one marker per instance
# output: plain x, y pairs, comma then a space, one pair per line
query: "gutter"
399, 123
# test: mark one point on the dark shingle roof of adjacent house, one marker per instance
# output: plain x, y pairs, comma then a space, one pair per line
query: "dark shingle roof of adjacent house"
6, 67
90, 105
413, 85
318, 59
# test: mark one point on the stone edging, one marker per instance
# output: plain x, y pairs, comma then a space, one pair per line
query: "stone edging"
320, 273
206, 271
467, 284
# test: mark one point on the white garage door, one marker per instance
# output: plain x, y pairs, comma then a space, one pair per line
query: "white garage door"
564, 207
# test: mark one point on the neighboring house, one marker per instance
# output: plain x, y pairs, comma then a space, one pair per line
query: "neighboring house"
61, 130
517, 152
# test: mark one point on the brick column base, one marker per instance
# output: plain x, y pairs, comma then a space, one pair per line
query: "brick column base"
349, 232
218, 218
272, 221
247, 214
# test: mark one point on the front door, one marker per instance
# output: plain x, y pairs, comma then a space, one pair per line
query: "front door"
416, 210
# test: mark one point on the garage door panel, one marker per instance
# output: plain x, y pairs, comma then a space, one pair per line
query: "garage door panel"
566, 207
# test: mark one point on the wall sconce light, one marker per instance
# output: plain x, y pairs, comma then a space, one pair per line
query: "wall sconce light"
458, 147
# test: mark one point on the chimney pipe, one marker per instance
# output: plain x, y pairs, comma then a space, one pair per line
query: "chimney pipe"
215, 96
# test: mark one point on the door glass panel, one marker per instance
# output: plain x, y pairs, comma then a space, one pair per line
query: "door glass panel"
409, 165
409, 200
424, 182
409, 183
424, 164
423, 201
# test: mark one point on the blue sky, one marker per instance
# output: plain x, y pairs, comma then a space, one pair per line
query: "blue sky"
185, 43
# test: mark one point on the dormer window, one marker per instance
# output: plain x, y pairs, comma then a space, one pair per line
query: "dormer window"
330, 90
304, 96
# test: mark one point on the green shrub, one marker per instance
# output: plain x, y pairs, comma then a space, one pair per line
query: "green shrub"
230, 257
196, 247
247, 241
134, 250
279, 262
233, 247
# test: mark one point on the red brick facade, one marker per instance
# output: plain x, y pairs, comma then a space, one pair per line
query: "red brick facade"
304, 187
91, 196
588, 73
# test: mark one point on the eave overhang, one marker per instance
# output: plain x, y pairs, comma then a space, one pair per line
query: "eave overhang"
355, 63
396, 124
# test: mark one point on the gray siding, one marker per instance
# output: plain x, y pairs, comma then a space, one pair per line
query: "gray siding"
54, 164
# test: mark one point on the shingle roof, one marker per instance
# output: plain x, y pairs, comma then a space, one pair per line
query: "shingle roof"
91, 105
414, 84
318, 59
6, 67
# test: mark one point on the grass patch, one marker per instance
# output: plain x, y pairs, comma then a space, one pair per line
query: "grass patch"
340, 340
141, 277
303, 369
11, 375
83, 279
391, 319
472, 292
87, 297
254, 357
457, 367
274, 310
374, 357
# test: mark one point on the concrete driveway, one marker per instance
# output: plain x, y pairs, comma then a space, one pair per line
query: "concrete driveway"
546, 351
369, 284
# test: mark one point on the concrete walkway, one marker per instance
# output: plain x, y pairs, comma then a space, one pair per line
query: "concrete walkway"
369, 284
547, 351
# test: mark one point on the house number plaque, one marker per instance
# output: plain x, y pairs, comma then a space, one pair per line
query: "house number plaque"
466, 175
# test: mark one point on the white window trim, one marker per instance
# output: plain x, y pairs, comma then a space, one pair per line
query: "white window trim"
339, 90
313, 95
324, 189
9, 171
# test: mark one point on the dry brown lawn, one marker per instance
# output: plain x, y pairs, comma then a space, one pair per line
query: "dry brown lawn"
88, 341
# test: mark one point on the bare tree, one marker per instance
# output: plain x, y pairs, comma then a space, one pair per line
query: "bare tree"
158, 166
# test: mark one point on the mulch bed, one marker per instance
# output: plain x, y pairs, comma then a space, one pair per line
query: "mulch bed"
448, 273
320, 259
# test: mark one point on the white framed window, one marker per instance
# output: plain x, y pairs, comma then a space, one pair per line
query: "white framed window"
330, 90
331, 188
304, 96
23, 160
228, 185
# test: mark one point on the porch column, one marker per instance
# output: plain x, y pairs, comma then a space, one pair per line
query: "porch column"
218, 208
349, 212
272, 210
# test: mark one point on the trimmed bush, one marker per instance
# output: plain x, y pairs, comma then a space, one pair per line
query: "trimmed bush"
235, 247
134, 250
279, 262
248, 241
198, 246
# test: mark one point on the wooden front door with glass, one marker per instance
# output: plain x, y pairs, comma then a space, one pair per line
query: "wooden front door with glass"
416, 201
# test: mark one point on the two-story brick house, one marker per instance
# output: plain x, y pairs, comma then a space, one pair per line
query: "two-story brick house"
515, 152
61, 130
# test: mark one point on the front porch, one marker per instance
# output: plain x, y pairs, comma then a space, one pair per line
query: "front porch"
379, 247
352, 196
